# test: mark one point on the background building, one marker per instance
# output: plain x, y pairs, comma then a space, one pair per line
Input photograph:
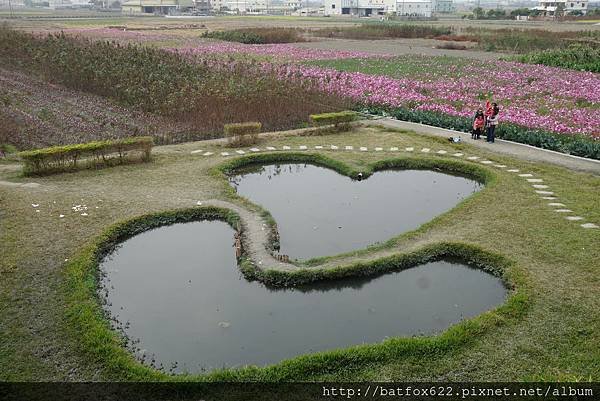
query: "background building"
162, 7
365, 8
561, 7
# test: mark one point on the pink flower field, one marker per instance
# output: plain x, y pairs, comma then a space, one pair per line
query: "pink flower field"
533, 96
277, 52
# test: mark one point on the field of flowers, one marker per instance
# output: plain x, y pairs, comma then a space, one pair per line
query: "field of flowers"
532, 96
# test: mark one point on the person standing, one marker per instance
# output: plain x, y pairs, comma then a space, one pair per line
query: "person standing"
492, 122
478, 124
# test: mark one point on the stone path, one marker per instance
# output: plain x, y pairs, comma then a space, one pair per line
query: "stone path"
519, 150
256, 231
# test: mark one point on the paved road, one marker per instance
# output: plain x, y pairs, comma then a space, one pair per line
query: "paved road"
508, 148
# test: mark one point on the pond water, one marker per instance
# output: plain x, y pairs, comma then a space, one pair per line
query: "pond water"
178, 291
322, 213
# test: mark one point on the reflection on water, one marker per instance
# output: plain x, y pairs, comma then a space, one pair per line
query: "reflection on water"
178, 290
321, 213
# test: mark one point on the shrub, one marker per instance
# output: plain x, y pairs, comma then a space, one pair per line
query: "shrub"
257, 36
582, 57
340, 120
91, 154
383, 31
242, 134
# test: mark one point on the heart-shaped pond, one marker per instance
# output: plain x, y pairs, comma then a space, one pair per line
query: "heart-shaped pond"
179, 295
321, 213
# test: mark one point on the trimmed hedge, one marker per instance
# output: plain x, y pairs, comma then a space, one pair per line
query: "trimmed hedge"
576, 145
340, 120
242, 134
91, 154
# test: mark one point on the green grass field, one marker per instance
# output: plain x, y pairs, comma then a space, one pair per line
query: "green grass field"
552, 333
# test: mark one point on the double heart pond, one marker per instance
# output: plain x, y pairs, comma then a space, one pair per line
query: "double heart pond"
321, 213
180, 298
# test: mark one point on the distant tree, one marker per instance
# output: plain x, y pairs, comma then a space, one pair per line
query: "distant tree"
478, 13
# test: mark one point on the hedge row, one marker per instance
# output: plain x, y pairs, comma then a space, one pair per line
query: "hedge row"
577, 145
91, 154
242, 134
340, 120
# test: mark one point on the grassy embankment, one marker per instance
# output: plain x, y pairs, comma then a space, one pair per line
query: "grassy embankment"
555, 337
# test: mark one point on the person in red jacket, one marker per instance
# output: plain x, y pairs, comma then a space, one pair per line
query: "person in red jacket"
478, 124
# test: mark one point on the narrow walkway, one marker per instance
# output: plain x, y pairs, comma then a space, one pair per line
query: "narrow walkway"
255, 237
519, 150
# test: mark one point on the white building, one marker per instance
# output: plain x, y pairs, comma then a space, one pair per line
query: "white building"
247, 6
443, 6
550, 7
365, 8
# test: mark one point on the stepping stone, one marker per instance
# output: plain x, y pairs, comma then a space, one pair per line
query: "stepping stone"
563, 210
525, 175
394, 149
318, 147
442, 152
286, 147
473, 157
224, 154
349, 147
240, 152
549, 197
535, 180
457, 154
486, 162
538, 186
302, 147
589, 225
254, 150
425, 150
208, 154
333, 147
363, 149
513, 170
409, 149
556, 204
196, 151
378, 149
544, 192
271, 148
573, 218
499, 165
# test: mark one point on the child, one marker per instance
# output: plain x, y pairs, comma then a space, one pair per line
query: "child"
478, 124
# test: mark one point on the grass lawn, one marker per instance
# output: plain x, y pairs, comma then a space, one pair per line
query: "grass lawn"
556, 336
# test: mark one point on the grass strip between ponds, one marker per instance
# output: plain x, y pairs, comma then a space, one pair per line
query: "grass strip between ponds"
95, 337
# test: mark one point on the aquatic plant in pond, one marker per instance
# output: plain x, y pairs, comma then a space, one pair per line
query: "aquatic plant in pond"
179, 297
320, 212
